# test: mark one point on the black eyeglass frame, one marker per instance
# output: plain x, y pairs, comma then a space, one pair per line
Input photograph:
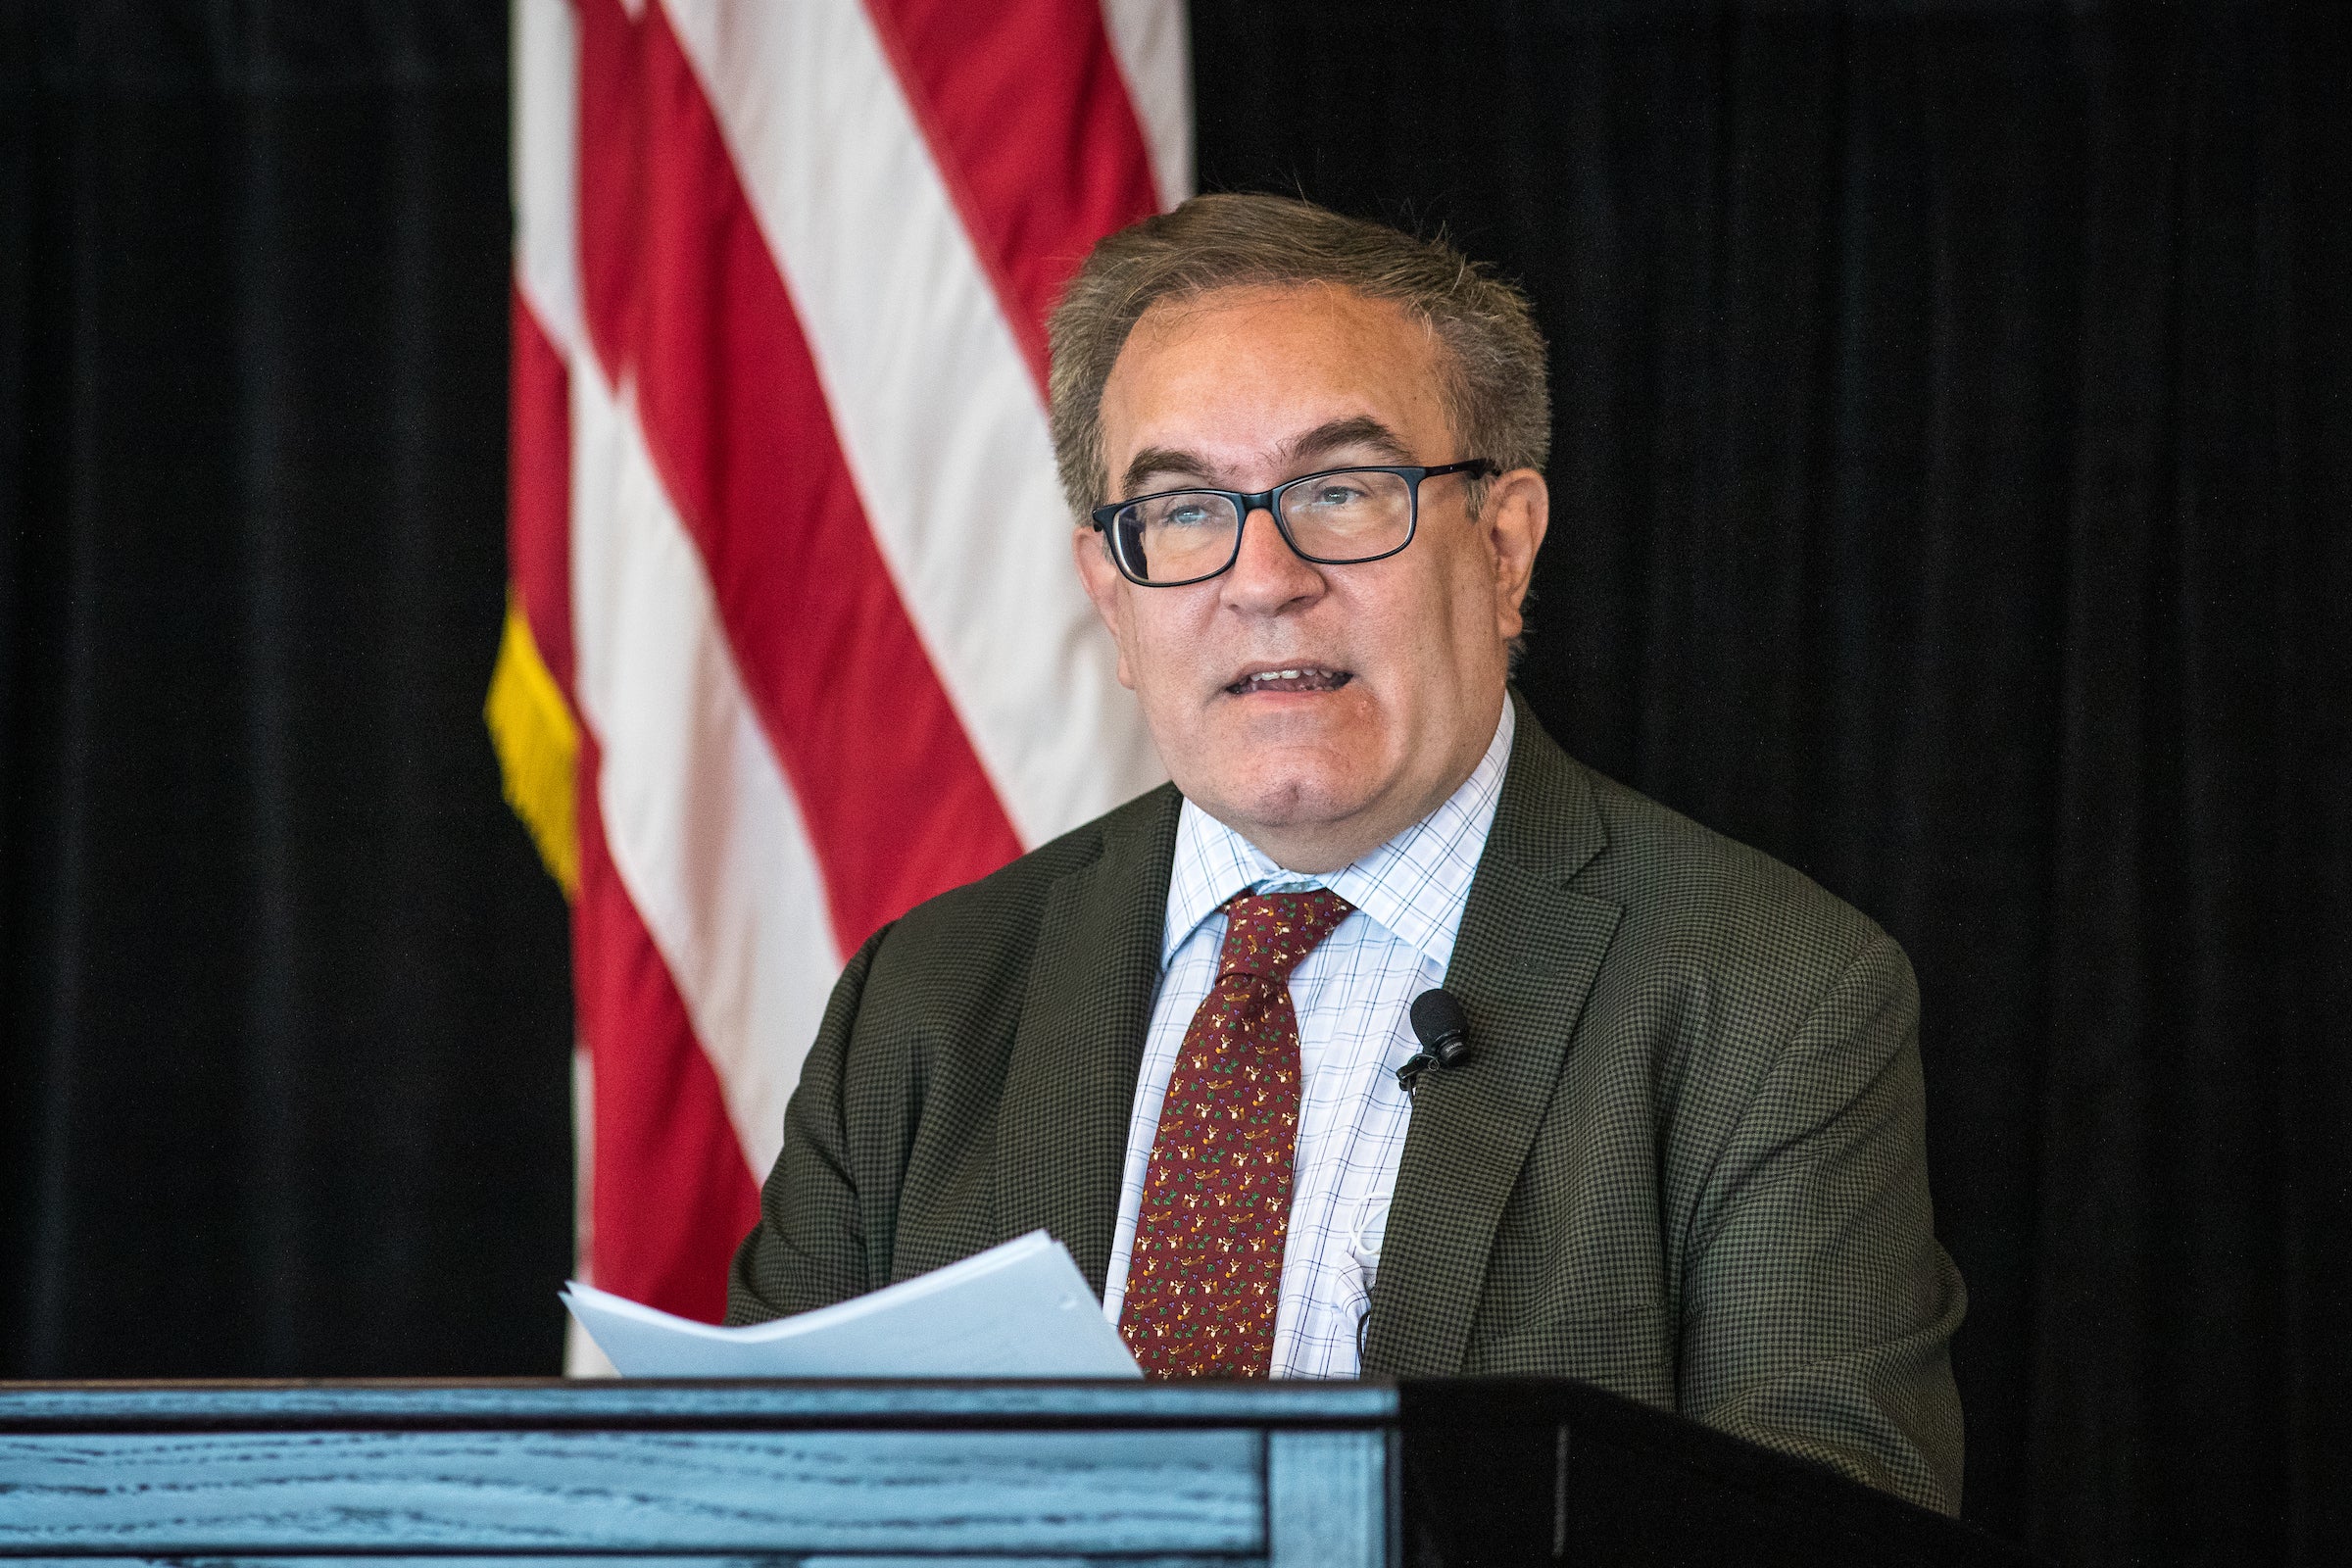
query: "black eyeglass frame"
1244, 502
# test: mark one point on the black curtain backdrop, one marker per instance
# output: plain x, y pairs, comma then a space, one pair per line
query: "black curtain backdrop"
287, 1009
1953, 496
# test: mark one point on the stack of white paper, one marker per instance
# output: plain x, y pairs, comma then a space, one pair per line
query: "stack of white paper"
1019, 1310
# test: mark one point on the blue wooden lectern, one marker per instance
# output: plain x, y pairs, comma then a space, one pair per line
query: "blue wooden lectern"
725, 1475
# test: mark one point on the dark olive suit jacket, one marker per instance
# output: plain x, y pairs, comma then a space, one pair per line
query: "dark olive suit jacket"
1686, 1162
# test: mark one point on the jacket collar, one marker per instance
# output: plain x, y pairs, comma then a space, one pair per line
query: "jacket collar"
1529, 949
1070, 1089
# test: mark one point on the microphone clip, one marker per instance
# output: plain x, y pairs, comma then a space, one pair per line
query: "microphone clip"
1443, 1029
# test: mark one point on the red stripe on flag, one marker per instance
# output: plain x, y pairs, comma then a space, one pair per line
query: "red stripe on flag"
671, 1194
539, 489
896, 803
609, 166
1029, 121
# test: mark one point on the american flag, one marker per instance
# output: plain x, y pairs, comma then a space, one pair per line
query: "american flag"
794, 640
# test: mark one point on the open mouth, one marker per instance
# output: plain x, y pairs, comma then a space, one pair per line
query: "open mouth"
1296, 678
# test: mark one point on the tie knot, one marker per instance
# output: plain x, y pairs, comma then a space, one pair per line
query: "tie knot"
1270, 934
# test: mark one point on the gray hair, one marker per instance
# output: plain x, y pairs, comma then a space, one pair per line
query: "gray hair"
1497, 394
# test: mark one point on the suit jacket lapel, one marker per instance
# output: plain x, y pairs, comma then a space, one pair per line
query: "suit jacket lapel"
1069, 1090
1526, 956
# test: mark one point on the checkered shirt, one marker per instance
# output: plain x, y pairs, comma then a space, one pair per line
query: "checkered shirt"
1352, 994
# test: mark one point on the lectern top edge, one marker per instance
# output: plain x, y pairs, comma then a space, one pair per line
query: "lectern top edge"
557, 1401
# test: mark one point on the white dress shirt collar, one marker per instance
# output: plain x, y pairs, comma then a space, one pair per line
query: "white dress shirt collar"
1415, 886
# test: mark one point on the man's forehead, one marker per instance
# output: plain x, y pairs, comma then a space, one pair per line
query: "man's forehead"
1257, 377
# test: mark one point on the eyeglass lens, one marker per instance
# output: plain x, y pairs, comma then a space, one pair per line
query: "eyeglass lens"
1353, 514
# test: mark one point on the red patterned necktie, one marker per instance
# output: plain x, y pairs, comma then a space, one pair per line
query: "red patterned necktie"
1204, 1277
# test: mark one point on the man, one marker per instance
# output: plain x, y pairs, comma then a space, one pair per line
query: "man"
1684, 1157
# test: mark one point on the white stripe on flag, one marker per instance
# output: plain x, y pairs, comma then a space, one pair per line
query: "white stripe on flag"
1154, 50
704, 829
584, 1357
547, 171
938, 416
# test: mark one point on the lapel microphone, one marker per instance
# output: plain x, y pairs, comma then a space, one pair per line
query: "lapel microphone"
1443, 1032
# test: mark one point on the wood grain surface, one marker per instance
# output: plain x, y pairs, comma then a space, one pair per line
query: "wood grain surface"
1327, 1500
223, 1494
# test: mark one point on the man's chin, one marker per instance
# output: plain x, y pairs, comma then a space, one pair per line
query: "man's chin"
1314, 740
1282, 803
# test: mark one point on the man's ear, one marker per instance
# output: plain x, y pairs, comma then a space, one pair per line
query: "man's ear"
1105, 586
1516, 514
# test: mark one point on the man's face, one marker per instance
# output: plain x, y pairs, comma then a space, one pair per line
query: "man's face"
1400, 663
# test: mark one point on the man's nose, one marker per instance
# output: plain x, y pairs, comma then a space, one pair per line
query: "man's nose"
1267, 574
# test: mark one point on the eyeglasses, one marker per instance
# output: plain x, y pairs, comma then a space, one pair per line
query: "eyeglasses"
1338, 518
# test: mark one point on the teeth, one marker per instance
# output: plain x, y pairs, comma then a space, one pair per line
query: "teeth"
1306, 675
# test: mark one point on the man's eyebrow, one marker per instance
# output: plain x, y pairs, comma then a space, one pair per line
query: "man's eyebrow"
1161, 462
1360, 432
